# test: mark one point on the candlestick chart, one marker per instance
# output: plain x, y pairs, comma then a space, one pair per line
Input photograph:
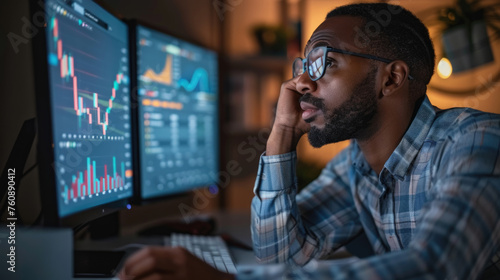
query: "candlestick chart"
90, 106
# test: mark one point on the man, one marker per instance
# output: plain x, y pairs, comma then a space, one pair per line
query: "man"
423, 184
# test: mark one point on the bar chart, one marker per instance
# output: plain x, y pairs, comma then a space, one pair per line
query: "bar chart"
96, 180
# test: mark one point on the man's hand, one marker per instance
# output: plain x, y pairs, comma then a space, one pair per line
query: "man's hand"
168, 263
288, 125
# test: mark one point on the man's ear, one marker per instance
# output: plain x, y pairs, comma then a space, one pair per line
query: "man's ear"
396, 75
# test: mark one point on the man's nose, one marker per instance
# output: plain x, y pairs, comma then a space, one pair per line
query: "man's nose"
305, 84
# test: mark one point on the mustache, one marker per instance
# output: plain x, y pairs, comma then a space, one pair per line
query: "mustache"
316, 102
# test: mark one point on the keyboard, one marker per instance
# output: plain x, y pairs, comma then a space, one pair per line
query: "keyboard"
211, 249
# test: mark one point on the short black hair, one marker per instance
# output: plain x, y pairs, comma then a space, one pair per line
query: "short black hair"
395, 33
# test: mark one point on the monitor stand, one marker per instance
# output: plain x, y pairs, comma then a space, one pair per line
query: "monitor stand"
97, 264
105, 227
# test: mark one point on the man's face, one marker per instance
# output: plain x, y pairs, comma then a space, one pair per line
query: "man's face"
343, 103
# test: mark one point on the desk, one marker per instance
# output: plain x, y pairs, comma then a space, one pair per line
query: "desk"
237, 225
50, 251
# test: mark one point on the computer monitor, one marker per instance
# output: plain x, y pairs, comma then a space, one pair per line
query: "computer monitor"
83, 109
178, 116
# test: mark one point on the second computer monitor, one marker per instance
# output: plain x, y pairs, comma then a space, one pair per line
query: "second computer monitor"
177, 88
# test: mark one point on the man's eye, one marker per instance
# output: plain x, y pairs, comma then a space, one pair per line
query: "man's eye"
330, 62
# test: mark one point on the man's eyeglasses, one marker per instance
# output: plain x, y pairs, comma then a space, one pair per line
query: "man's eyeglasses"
315, 62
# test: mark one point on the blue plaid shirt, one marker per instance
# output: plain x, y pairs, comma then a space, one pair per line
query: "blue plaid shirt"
432, 212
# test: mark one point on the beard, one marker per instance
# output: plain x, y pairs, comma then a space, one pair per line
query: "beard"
350, 118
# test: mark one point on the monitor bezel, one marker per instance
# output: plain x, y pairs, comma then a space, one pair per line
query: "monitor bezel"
45, 143
137, 198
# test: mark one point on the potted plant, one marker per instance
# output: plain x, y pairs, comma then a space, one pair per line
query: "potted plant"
465, 37
272, 40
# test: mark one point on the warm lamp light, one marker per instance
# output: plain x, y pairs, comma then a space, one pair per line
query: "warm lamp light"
444, 68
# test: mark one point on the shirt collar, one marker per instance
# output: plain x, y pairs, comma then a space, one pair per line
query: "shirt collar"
400, 160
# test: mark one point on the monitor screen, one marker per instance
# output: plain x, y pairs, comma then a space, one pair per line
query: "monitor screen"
177, 88
88, 77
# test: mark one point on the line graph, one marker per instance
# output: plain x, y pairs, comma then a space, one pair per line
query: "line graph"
164, 77
181, 70
200, 77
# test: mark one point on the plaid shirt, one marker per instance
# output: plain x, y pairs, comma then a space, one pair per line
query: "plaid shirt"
432, 212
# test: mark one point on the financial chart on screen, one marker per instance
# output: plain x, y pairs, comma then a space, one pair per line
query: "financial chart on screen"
178, 114
87, 54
